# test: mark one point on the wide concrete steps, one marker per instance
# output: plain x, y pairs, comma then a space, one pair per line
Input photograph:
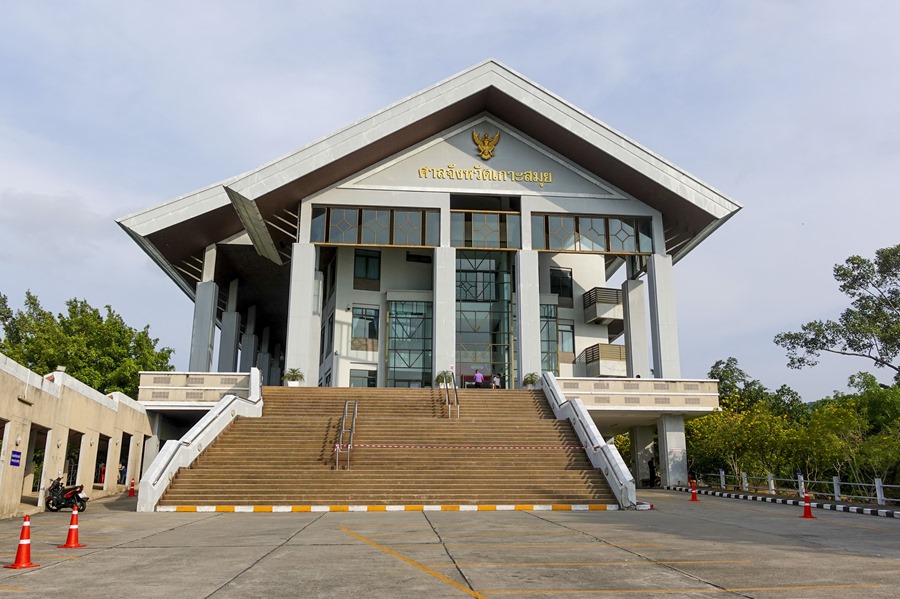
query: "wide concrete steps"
505, 449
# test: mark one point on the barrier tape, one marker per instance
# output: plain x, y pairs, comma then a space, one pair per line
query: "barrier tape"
489, 447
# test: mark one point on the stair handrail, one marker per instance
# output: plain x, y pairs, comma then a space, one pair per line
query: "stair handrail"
182, 453
603, 456
455, 401
341, 447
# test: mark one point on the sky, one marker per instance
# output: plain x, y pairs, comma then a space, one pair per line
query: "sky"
790, 108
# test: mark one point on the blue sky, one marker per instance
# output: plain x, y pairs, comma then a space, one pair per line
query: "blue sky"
789, 107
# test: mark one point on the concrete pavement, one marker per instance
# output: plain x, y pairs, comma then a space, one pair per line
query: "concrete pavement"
713, 548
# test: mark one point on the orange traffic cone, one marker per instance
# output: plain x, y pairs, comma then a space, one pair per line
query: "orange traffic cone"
807, 509
131, 490
23, 555
72, 539
694, 491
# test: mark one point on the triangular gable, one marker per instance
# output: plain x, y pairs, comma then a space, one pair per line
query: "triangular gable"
453, 162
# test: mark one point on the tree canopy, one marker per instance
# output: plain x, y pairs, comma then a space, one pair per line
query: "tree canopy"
98, 349
870, 328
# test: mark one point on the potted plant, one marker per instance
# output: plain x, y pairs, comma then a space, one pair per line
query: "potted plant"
293, 377
530, 380
444, 378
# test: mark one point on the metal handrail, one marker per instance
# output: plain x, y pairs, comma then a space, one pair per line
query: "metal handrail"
455, 401
341, 447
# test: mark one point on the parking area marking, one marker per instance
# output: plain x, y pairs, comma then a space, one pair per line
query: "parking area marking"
415, 564
553, 592
13, 589
565, 564
596, 545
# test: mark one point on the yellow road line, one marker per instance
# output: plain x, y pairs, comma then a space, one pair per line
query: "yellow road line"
658, 591
596, 545
13, 589
561, 564
412, 562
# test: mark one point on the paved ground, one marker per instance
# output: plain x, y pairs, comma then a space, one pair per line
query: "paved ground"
713, 548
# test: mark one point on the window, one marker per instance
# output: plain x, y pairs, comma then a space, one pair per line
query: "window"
363, 378
364, 330
561, 285
367, 270
549, 340
595, 234
566, 337
375, 226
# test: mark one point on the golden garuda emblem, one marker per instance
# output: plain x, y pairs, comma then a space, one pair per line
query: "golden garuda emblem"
486, 144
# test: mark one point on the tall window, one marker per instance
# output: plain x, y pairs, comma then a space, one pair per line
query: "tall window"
409, 343
561, 285
363, 378
549, 340
364, 330
566, 337
367, 270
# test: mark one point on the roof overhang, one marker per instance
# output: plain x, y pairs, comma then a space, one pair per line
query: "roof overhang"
175, 233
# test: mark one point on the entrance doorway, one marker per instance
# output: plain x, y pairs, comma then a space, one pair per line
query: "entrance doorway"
485, 316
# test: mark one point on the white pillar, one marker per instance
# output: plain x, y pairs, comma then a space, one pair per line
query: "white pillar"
637, 348
663, 327
231, 332
249, 342
672, 450
642, 452
443, 310
528, 314
299, 353
204, 327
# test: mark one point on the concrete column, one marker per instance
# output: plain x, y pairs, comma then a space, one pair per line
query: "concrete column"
151, 444
249, 342
443, 310
642, 452
231, 332
663, 327
204, 328
528, 311
672, 450
637, 347
301, 305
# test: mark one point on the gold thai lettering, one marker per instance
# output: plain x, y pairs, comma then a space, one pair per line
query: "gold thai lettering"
483, 173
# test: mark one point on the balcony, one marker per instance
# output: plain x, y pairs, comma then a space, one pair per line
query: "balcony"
603, 359
604, 306
618, 404
190, 390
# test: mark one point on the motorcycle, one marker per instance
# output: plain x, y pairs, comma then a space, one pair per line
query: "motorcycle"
59, 497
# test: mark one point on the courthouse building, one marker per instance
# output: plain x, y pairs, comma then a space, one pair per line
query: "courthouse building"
481, 224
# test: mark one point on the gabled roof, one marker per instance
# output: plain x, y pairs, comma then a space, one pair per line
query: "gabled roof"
176, 232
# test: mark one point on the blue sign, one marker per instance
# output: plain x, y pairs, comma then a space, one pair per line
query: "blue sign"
14, 458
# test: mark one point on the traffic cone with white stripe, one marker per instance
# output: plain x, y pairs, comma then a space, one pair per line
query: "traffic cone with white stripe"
131, 490
807, 508
72, 539
694, 491
23, 554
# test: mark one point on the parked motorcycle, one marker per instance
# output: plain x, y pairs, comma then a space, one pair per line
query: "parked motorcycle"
59, 497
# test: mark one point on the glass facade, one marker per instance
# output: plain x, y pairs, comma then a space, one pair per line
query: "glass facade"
549, 340
593, 234
494, 230
375, 226
484, 314
409, 344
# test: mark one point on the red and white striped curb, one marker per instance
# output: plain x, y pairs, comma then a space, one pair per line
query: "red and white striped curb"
387, 508
504, 447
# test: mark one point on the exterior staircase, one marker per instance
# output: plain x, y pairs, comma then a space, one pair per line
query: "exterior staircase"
505, 449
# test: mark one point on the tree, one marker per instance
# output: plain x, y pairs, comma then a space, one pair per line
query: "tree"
870, 328
99, 350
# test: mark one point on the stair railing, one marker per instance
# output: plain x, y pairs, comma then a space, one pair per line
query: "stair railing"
348, 426
455, 401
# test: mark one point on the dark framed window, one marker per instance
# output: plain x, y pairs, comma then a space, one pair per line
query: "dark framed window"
364, 329
549, 340
375, 226
363, 378
566, 337
367, 270
592, 234
561, 285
